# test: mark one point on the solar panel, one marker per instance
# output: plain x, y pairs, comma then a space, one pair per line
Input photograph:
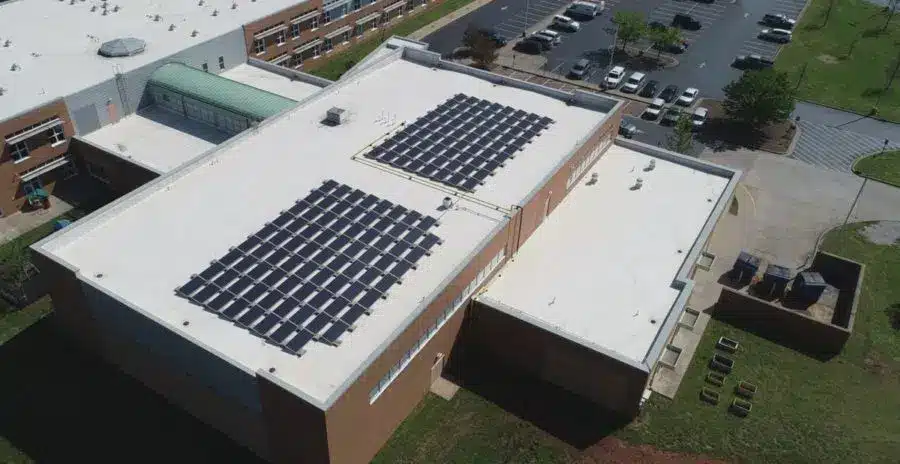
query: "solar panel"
313, 271
460, 124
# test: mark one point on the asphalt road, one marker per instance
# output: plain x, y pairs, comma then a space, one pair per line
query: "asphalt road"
847, 121
651, 133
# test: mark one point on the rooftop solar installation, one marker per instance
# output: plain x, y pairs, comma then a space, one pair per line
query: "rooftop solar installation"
313, 271
461, 142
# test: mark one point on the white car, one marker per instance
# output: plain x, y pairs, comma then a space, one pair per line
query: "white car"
584, 9
699, 117
553, 36
776, 35
634, 82
655, 108
565, 23
614, 77
688, 96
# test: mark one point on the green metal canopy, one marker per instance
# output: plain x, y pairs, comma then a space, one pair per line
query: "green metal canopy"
220, 92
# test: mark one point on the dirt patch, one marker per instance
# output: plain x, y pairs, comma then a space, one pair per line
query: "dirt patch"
614, 451
828, 59
723, 134
883, 232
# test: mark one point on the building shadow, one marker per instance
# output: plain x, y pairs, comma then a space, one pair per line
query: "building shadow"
83, 192
556, 411
60, 404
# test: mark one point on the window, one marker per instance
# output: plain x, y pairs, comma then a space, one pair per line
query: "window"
57, 135
395, 370
279, 37
96, 171
259, 46
205, 67
314, 24
295, 30
358, 30
357, 4
30, 186
344, 38
19, 151
222, 61
328, 45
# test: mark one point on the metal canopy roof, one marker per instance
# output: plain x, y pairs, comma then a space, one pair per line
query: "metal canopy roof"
218, 91
128, 46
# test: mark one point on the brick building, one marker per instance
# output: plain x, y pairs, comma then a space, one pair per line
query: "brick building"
301, 285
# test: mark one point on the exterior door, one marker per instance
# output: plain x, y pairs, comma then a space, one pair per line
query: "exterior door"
438, 367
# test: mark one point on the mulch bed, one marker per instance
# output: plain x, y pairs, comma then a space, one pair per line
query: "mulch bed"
725, 134
614, 451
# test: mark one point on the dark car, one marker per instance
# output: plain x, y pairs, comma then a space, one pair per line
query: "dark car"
778, 20
580, 69
752, 62
627, 130
530, 47
685, 22
669, 93
494, 36
650, 89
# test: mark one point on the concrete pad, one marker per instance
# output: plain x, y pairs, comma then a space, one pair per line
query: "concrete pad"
18, 223
667, 380
444, 388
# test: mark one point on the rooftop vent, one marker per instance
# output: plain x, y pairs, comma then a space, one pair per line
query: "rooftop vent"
234, 6
594, 178
128, 46
650, 166
93, 8
157, 18
105, 12
335, 116
637, 184
194, 33
2, 90
15, 67
72, 2
215, 13
200, 3
116, 9
171, 27
447, 203
7, 43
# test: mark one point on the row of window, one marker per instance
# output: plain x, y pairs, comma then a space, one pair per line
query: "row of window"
205, 66
442, 318
588, 161
20, 151
308, 21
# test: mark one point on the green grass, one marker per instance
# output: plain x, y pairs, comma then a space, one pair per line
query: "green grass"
835, 76
345, 60
884, 167
806, 411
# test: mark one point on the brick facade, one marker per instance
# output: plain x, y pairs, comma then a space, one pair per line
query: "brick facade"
41, 148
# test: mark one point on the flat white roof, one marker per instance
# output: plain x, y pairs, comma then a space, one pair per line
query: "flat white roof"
271, 82
152, 241
157, 139
54, 43
601, 268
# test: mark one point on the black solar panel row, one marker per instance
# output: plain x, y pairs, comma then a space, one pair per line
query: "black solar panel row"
314, 270
461, 142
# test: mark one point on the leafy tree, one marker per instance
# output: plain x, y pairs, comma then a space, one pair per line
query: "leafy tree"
759, 98
631, 27
664, 38
484, 51
682, 138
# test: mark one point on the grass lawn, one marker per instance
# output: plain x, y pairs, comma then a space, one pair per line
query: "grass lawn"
883, 167
339, 64
834, 75
806, 411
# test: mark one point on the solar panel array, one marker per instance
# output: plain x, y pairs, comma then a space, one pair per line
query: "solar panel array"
317, 268
461, 142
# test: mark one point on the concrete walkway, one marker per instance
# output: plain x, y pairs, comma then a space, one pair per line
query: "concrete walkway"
18, 223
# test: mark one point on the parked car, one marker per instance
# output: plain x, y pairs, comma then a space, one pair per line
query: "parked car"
494, 35
627, 130
699, 117
779, 20
752, 62
545, 42
650, 89
553, 35
586, 10
580, 68
565, 23
688, 97
775, 35
634, 82
655, 108
671, 117
529, 47
669, 93
686, 22
614, 77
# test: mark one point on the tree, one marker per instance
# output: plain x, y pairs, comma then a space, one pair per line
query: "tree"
682, 138
484, 51
664, 38
759, 98
631, 27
